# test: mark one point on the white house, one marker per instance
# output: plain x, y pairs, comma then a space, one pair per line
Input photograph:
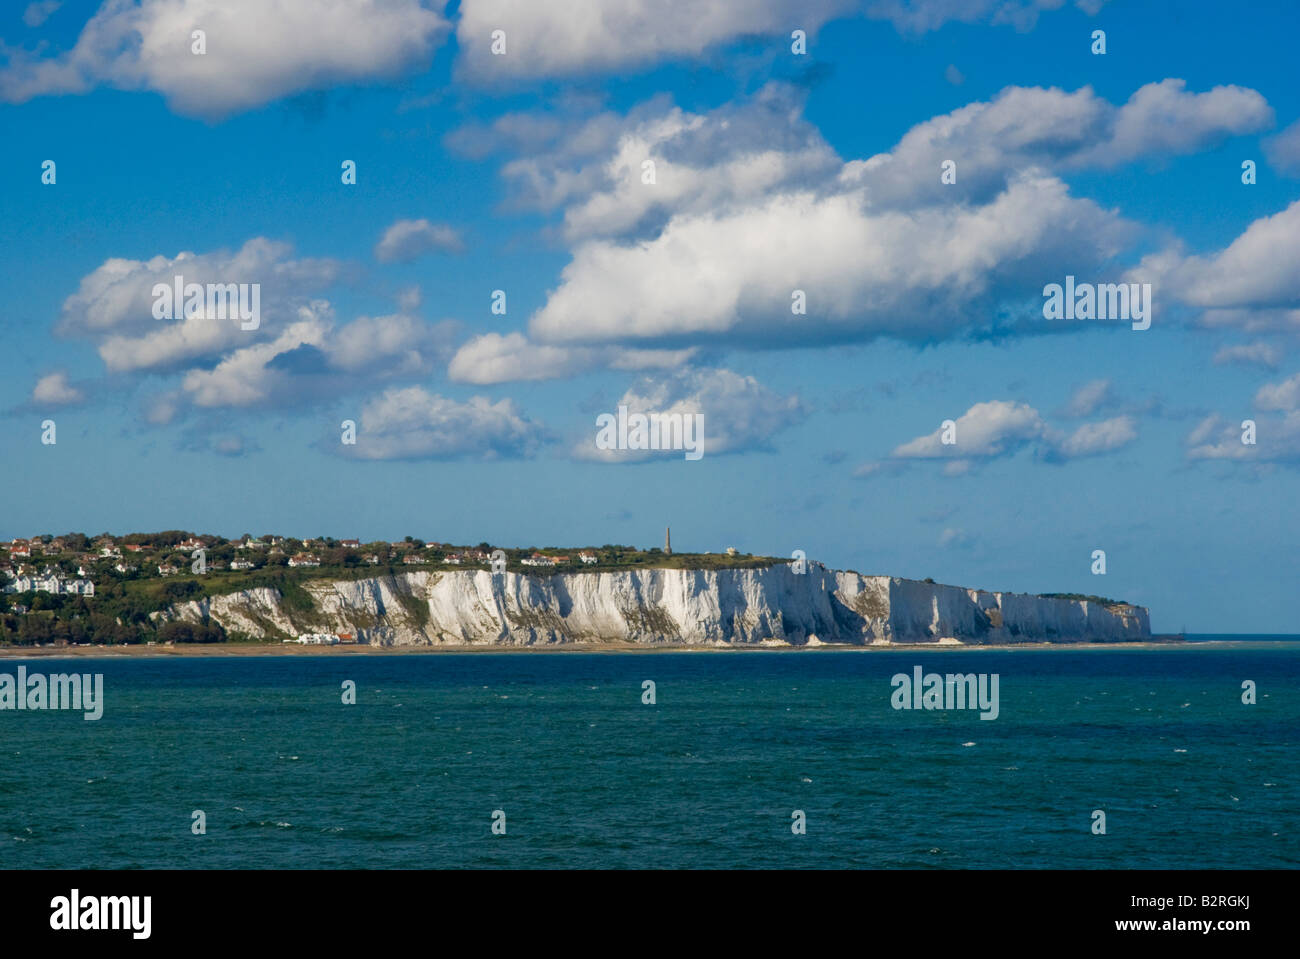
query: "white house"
49, 582
588, 558
318, 639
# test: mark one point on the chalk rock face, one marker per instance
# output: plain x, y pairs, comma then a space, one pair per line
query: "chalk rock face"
773, 606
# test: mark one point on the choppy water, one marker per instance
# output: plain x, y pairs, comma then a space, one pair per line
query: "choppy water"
589, 776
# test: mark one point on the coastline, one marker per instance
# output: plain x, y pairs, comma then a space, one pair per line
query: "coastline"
214, 650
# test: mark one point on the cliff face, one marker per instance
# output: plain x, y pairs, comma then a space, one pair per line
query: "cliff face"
773, 606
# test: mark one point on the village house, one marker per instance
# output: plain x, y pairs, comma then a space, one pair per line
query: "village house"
537, 559
191, 544
453, 558
372, 559
414, 559
350, 543
167, 570
304, 559
133, 548
241, 564
588, 558
124, 568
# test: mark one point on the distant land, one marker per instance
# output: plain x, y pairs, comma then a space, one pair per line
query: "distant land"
179, 587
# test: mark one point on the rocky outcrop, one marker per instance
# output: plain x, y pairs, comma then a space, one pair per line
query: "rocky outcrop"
774, 606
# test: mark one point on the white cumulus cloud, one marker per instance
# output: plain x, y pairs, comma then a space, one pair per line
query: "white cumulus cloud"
411, 423
55, 390
257, 51
999, 428
406, 240
739, 413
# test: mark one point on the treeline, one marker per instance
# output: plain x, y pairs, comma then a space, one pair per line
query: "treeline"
115, 615
46, 630
1084, 597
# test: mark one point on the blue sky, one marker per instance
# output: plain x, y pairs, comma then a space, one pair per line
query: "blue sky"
773, 172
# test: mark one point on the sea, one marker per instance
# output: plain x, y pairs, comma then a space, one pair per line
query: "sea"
744, 759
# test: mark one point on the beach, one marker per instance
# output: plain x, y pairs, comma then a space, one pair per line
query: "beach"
294, 649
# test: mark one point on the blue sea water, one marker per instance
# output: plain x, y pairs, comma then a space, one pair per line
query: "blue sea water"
288, 776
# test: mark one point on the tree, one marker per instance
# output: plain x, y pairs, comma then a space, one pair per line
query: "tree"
181, 632
181, 589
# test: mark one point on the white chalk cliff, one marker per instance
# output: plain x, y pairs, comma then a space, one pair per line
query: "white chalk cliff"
739, 607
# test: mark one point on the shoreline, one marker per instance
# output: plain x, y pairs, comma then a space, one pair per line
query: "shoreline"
214, 651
